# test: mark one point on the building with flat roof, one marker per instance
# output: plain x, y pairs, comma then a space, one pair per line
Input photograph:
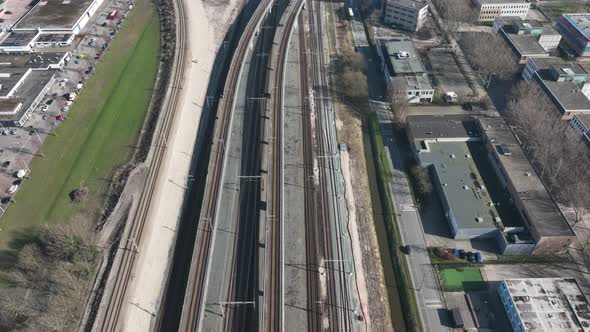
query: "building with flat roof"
540, 213
527, 38
566, 84
468, 206
58, 16
575, 29
405, 14
17, 105
24, 81
488, 10
486, 184
401, 64
545, 304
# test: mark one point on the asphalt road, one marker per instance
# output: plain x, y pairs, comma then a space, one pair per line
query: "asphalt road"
434, 315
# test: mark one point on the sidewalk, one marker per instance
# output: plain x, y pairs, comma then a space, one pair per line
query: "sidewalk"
423, 275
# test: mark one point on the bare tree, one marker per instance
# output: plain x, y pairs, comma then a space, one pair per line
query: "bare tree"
559, 156
397, 95
454, 13
489, 55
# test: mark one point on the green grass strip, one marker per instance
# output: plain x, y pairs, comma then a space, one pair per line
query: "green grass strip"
99, 134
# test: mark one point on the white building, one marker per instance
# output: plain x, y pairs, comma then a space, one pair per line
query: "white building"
405, 14
488, 10
545, 304
401, 64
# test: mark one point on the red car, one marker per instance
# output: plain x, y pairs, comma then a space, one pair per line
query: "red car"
60, 117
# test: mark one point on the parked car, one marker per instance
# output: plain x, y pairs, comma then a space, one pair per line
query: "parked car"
49, 102
470, 257
3, 132
45, 108
13, 132
461, 254
12, 189
478, 257
407, 249
6, 200
6, 163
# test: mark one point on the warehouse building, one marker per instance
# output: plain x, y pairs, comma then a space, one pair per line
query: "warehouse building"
486, 185
527, 38
488, 10
566, 84
545, 304
575, 29
24, 81
541, 216
58, 16
406, 14
402, 67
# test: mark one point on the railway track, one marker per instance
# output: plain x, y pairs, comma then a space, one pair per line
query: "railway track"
193, 306
131, 240
273, 295
312, 243
333, 305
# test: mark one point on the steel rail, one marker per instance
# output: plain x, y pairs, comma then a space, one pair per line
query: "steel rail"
132, 239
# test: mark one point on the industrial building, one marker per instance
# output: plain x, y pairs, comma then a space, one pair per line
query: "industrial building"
541, 216
575, 29
405, 14
486, 185
24, 81
545, 304
566, 84
402, 67
48, 24
527, 38
488, 10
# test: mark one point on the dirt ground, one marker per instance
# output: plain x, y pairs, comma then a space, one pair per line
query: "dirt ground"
350, 132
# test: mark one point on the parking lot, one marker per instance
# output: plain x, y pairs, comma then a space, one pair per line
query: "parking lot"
447, 74
20, 144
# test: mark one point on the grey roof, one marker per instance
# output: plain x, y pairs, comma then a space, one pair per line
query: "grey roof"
462, 185
429, 127
9, 77
546, 62
30, 60
53, 37
584, 119
409, 3
567, 95
25, 94
52, 14
393, 45
542, 210
550, 304
501, 1
18, 38
565, 68
414, 82
526, 44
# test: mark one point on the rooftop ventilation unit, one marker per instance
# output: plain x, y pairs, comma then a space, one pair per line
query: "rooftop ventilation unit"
479, 219
466, 187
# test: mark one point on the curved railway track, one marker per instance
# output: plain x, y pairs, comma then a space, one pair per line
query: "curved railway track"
132, 239
193, 306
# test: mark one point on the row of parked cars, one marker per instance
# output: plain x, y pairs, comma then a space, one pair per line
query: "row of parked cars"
468, 255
